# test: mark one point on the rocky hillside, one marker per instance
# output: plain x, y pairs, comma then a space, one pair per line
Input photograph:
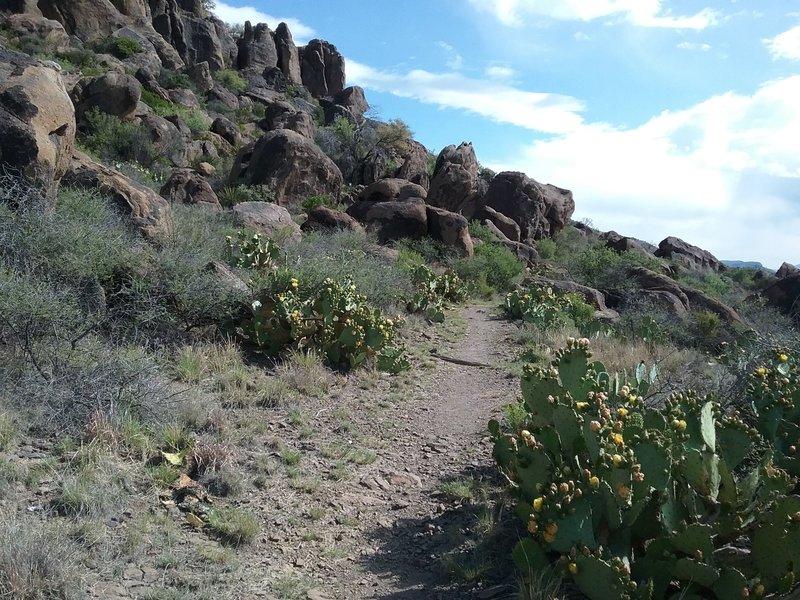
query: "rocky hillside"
189, 216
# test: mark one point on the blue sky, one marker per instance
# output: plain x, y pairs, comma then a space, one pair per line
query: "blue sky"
665, 117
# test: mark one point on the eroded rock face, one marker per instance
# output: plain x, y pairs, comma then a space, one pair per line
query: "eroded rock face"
621, 243
786, 270
288, 54
87, 19
415, 165
292, 165
49, 30
37, 119
505, 224
784, 295
352, 100
689, 256
322, 68
455, 178
324, 218
147, 210
270, 219
393, 219
392, 189
539, 210
257, 49
450, 228
185, 186
115, 94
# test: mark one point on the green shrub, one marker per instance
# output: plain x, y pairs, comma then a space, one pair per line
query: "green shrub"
234, 526
479, 231
232, 195
333, 319
252, 252
707, 323
547, 248
603, 268
195, 119
121, 47
547, 309
493, 268
320, 200
231, 80
433, 291
630, 501
172, 80
113, 139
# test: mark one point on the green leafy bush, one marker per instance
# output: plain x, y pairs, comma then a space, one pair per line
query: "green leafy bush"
172, 80
114, 139
546, 309
231, 80
252, 252
603, 268
319, 200
334, 320
629, 501
232, 195
493, 268
433, 291
195, 119
121, 47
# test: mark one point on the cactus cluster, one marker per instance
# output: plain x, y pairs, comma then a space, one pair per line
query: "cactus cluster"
632, 501
433, 291
334, 320
251, 252
543, 307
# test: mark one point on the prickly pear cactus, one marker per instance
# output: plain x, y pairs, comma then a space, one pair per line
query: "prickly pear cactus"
636, 502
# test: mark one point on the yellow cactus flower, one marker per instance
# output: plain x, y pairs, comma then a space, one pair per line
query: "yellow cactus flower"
618, 439
581, 405
594, 482
681, 425
622, 412
633, 399
538, 503
617, 460
572, 568
761, 372
783, 358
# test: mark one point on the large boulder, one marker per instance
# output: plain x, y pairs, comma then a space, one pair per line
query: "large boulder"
272, 220
228, 130
620, 243
524, 252
353, 100
688, 256
37, 120
786, 270
257, 49
415, 165
505, 224
784, 295
393, 219
48, 30
282, 115
322, 68
455, 178
87, 19
392, 189
292, 165
168, 140
450, 228
115, 94
185, 186
288, 55
591, 296
327, 219
147, 210
539, 210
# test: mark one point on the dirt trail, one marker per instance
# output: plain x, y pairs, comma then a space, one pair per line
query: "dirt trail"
443, 439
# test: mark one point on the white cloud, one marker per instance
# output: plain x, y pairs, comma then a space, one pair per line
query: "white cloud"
644, 13
500, 72
723, 174
785, 45
548, 113
239, 14
454, 60
581, 36
694, 46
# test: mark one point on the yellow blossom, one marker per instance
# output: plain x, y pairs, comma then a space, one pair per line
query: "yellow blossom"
594, 482
617, 460
617, 439
783, 358
538, 503
761, 371
572, 568
581, 405
622, 412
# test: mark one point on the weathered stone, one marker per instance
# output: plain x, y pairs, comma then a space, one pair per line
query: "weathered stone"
270, 219
354, 100
184, 97
200, 75
37, 120
256, 48
689, 256
168, 140
48, 30
392, 189
228, 130
288, 55
785, 270
784, 295
455, 178
324, 218
415, 165
393, 219
505, 224
620, 243
185, 186
113, 93
450, 228
147, 210
322, 68
224, 96
539, 210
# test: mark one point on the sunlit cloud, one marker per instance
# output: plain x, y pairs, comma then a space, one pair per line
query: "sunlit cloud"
643, 13
239, 14
785, 45
499, 102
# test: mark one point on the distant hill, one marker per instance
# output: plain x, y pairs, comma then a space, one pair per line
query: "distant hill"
743, 264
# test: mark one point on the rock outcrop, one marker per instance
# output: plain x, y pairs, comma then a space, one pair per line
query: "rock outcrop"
328, 219
292, 165
415, 165
506, 225
621, 243
539, 210
147, 210
787, 270
784, 295
115, 94
688, 256
591, 296
451, 229
322, 68
391, 189
270, 219
257, 49
185, 186
288, 55
455, 178
37, 120
393, 219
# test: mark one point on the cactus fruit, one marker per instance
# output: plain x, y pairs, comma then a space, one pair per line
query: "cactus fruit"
663, 491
